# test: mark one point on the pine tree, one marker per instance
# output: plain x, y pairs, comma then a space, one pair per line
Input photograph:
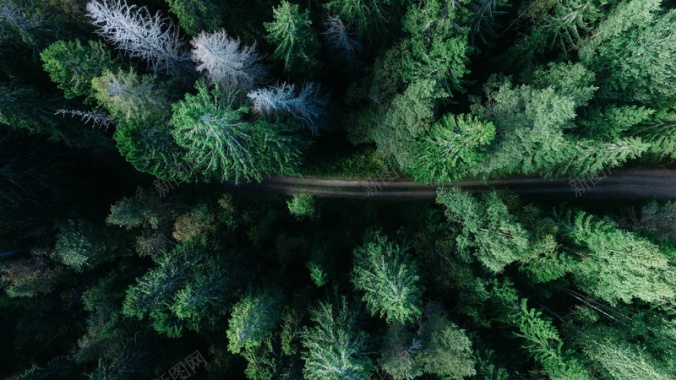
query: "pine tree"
616, 265
489, 232
141, 34
451, 148
72, 65
226, 63
365, 14
196, 16
340, 42
541, 338
296, 43
252, 320
629, 52
80, 245
389, 279
308, 107
221, 144
436, 48
447, 351
333, 347
130, 97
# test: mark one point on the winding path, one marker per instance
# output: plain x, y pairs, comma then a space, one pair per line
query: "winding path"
658, 184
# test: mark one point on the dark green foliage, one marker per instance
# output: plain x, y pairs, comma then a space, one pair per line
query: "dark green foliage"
72, 65
297, 44
630, 53
436, 48
541, 338
196, 16
80, 245
389, 278
252, 320
365, 14
189, 288
334, 348
453, 146
617, 266
489, 232
447, 351
220, 143
302, 205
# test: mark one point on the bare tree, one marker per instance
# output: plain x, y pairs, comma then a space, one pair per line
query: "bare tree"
226, 62
142, 35
338, 38
98, 119
307, 107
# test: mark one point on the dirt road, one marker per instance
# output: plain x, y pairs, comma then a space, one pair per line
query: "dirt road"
658, 184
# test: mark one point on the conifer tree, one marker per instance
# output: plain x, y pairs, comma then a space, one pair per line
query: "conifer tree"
196, 16
73, 65
489, 232
226, 63
630, 53
453, 146
389, 279
333, 347
616, 265
296, 43
221, 144
308, 107
252, 320
142, 35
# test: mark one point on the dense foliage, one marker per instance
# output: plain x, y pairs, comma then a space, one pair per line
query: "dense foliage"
123, 255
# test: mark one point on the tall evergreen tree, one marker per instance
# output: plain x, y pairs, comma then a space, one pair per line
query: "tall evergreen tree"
389, 279
334, 348
296, 43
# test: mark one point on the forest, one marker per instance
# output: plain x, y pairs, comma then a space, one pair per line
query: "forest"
124, 255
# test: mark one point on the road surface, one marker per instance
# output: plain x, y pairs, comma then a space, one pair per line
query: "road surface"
657, 184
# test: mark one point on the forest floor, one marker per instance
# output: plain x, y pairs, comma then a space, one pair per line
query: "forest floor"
660, 184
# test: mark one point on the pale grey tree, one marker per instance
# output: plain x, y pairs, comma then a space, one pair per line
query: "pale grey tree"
339, 40
307, 106
226, 62
134, 29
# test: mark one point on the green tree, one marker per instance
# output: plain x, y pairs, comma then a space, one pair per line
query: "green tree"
364, 14
453, 146
489, 232
630, 53
616, 265
195, 16
81, 245
389, 278
252, 320
221, 144
72, 65
131, 97
189, 288
541, 339
447, 351
296, 43
302, 205
334, 348
436, 47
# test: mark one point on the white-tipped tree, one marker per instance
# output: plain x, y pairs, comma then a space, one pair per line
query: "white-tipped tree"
339, 41
307, 107
141, 34
227, 63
